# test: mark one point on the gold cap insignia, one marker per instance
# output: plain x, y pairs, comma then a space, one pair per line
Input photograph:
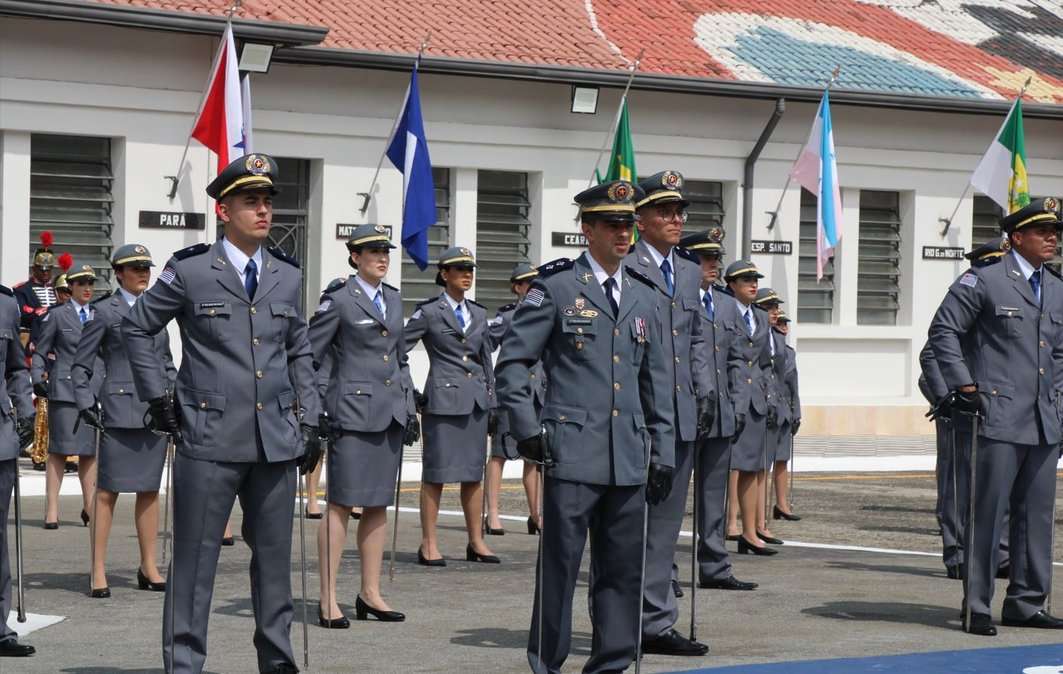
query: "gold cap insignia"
672, 180
379, 229
86, 267
716, 235
1005, 244
1051, 204
620, 191
140, 250
465, 251
256, 165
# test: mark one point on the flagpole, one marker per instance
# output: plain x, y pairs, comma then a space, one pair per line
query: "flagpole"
175, 180
368, 196
619, 111
790, 176
967, 187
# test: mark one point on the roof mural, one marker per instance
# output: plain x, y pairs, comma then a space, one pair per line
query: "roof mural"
946, 48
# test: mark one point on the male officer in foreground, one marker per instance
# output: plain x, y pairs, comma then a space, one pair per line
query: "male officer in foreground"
720, 315
1013, 312
608, 425
242, 430
662, 212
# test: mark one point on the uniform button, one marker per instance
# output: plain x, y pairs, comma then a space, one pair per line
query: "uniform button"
994, 391
465, 358
751, 343
462, 340
532, 375
1043, 343
255, 341
121, 390
677, 387
562, 417
750, 363
675, 333
616, 386
749, 381
677, 359
383, 333
579, 331
616, 333
716, 347
258, 374
673, 305
616, 413
258, 406
469, 375
386, 357
203, 405
210, 312
616, 359
358, 392
387, 382
717, 370
1041, 370
253, 311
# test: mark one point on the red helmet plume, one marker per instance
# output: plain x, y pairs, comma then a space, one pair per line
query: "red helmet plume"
66, 261
47, 239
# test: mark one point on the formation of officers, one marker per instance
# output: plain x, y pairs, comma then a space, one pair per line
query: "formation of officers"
993, 371
620, 377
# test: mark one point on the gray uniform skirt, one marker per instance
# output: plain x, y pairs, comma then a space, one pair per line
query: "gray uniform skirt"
455, 447
61, 436
362, 467
785, 447
131, 460
747, 449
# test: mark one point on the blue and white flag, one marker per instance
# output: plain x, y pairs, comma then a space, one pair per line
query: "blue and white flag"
408, 151
817, 171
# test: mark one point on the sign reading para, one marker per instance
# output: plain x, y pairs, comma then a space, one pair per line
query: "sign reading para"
171, 220
569, 239
772, 247
942, 253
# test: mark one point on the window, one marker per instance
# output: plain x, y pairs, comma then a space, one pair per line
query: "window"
879, 258
291, 212
706, 205
985, 220
70, 195
502, 227
419, 285
815, 298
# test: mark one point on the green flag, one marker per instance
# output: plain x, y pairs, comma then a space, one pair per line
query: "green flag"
622, 161
1001, 174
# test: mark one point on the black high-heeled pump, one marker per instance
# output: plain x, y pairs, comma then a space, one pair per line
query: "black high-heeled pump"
51, 525
340, 623
424, 561
100, 592
228, 541
362, 611
778, 514
84, 517
533, 528
769, 539
747, 548
490, 531
473, 556
144, 584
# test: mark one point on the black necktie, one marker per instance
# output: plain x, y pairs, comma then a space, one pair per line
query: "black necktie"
251, 279
608, 286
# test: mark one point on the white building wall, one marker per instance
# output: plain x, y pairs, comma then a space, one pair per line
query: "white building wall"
141, 88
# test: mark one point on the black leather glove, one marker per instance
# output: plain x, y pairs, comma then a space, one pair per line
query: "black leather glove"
942, 410
91, 416
492, 422
40, 389
658, 484
772, 420
312, 442
740, 423
967, 403
326, 431
24, 428
706, 414
412, 433
533, 448
419, 400
795, 425
163, 413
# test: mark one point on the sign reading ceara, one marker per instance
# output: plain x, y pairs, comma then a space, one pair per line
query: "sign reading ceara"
171, 220
942, 253
569, 239
772, 247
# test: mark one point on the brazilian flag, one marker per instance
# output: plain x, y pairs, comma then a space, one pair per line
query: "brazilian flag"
622, 160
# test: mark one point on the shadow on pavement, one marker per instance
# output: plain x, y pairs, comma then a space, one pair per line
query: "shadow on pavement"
896, 509
887, 568
889, 612
918, 531
496, 637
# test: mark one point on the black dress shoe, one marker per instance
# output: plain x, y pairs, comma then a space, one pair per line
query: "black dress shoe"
494, 532
362, 611
673, 643
424, 561
533, 528
84, 517
51, 525
13, 649
777, 514
473, 556
340, 623
769, 539
728, 583
144, 584
228, 541
981, 624
676, 590
1041, 620
954, 571
282, 669
356, 515
100, 592
70, 467
38, 466
313, 516
1004, 571
747, 548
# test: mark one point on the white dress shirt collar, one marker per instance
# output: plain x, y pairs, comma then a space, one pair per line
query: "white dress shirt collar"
601, 275
744, 310
129, 297
371, 291
454, 304
1024, 265
238, 259
658, 258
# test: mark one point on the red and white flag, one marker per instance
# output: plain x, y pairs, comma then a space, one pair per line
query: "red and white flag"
220, 123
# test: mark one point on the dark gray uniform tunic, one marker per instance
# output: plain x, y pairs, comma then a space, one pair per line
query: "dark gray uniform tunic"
56, 347
15, 404
246, 371
749, 365
503, 444
131, 457
787, 400
459, 390
684, 347
714, 563
366, 397
609, 412
1016, 349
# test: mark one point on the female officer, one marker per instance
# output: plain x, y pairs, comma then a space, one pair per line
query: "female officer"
358, 326
131, 456
504, 447
788, 392
60, 332
458, 393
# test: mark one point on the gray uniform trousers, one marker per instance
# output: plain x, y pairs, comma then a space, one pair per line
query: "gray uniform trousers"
8, 475
954, 453
714, 563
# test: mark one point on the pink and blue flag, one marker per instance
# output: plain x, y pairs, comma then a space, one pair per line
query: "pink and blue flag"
817, 171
